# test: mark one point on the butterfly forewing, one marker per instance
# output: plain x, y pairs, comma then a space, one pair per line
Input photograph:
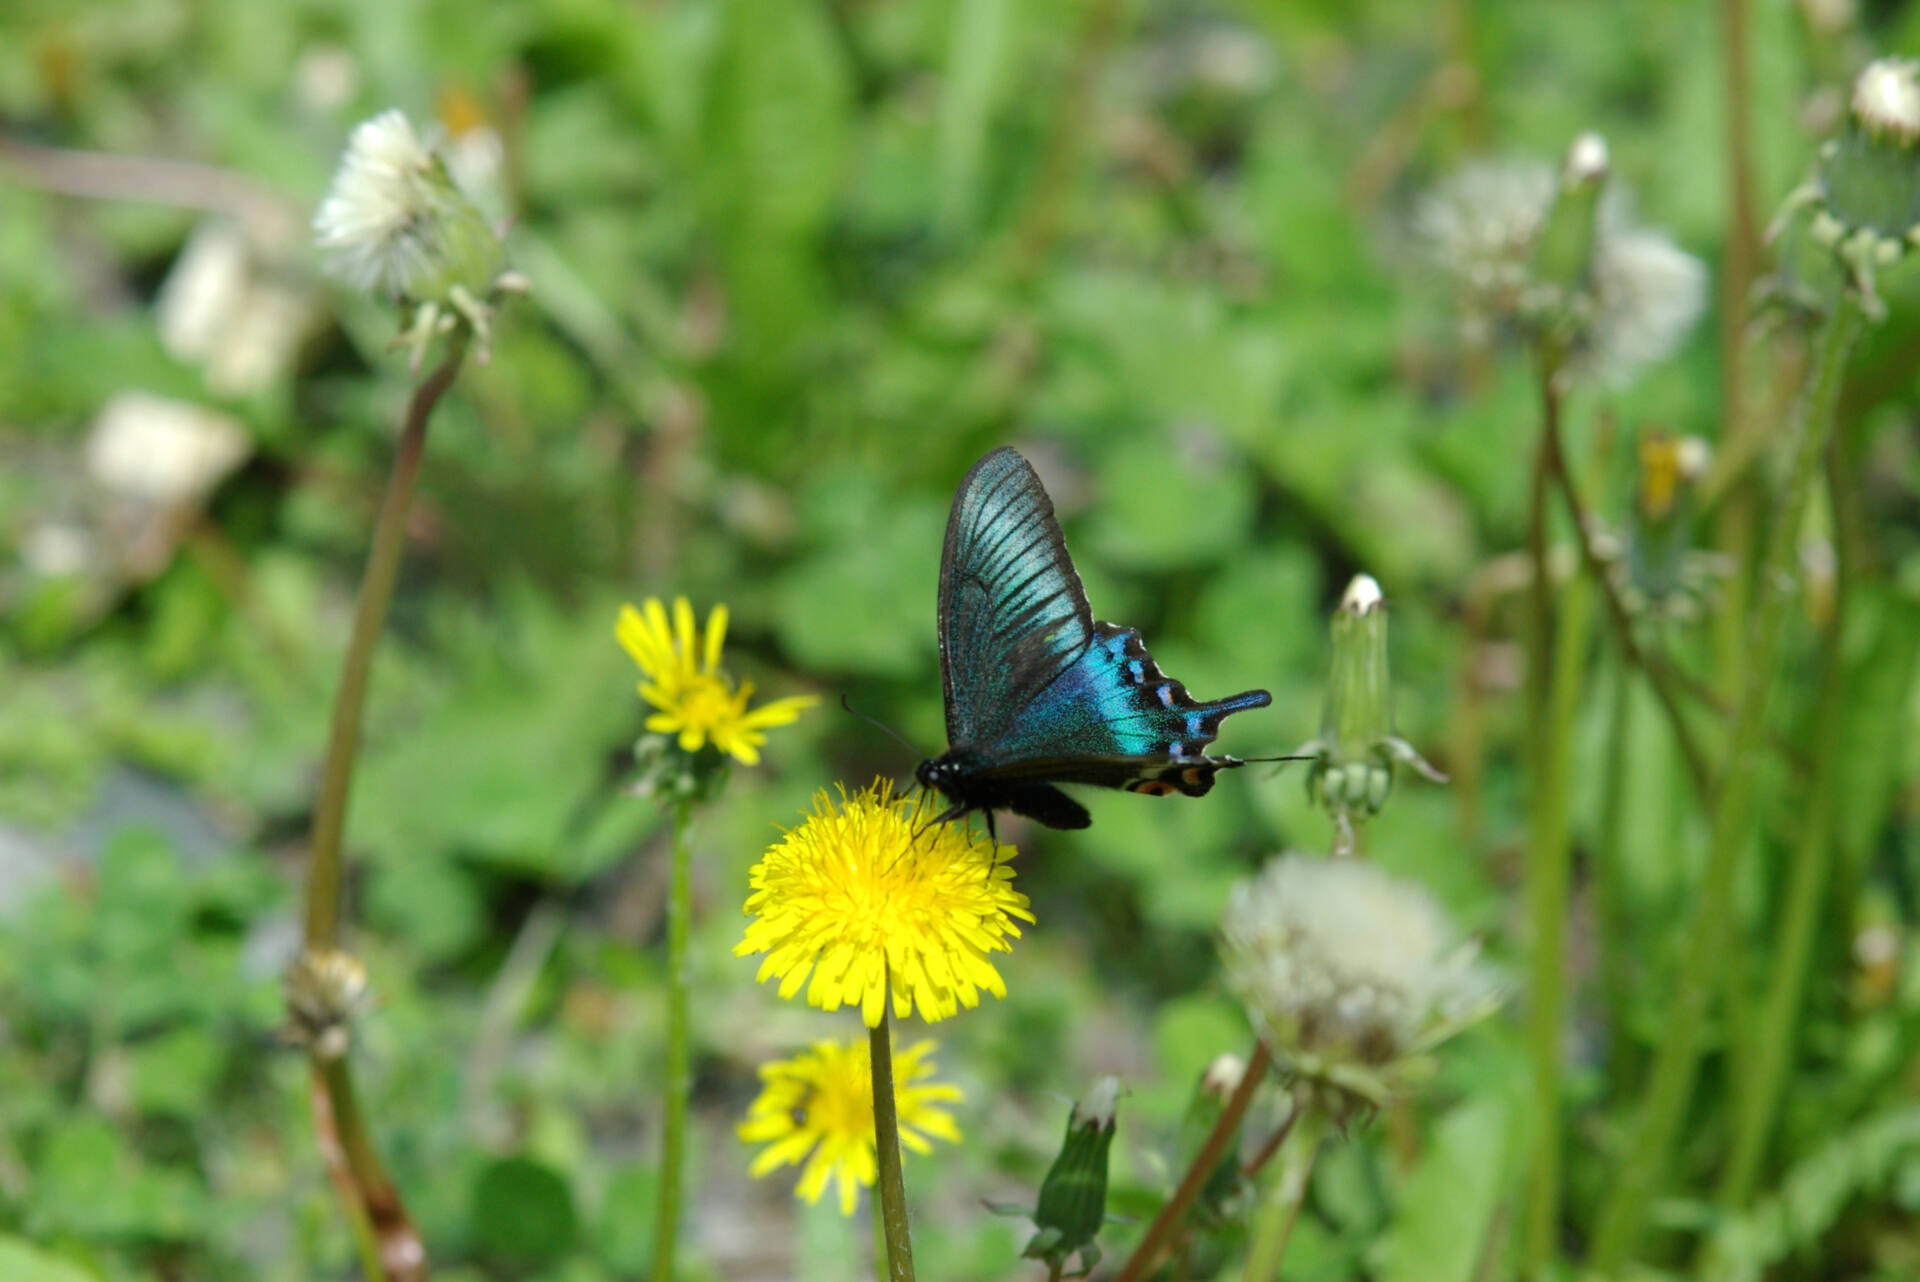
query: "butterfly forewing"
1012, 613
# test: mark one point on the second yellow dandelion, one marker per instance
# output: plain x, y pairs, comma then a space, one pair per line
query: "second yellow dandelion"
694, 699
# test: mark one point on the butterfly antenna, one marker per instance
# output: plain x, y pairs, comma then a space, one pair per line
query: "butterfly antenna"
1305, 756
878, 724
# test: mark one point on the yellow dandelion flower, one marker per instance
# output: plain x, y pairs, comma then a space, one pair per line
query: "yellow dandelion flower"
694, 698
857, 899
817, 1108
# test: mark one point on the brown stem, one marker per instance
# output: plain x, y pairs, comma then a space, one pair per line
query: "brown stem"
398, 1253
370, 613
1251, 1167
1659, 675
372, 1200
1161, 1231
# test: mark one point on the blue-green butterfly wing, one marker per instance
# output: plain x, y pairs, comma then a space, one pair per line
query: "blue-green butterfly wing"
1036, 691
1013, 615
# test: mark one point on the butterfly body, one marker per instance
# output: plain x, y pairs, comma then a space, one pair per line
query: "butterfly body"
1039, 693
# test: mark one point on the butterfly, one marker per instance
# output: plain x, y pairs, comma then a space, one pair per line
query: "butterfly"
1037, 692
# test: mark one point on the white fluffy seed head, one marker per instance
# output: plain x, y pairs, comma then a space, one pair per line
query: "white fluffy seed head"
394, 223
1649, 293
1643, 293
1339, 962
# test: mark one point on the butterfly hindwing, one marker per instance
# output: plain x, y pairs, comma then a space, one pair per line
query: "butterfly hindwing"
1114, 719
1037, 693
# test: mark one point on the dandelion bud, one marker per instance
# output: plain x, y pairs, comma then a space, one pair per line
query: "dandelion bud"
1073, 1197
394, 223
1862, 205
326, 990
1661, 569
1564, 258
1353, 759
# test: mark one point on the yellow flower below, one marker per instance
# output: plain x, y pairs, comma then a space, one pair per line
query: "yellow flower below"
817, 1108
859, 901
696, 700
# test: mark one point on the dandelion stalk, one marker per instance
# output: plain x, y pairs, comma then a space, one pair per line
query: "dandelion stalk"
1758, 1103
370, 615
345, 1143
1554, 671
679, 1082
1160, 1233
886, 1137
1677, 1059
1273, 1222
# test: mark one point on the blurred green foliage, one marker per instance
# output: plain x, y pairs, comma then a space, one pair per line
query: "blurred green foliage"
795, 265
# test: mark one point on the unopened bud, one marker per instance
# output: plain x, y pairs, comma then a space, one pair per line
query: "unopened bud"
1224, 1075
1862, 204
1564, 259
1886, 99
326, 988
1353, 759
1073, 1197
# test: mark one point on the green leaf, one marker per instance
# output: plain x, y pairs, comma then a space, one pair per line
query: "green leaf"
522, 1212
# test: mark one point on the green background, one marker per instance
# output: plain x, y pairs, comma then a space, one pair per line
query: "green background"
795, 265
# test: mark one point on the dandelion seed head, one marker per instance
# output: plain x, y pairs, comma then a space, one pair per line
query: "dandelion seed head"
395, 223
1338, 961
1648, 293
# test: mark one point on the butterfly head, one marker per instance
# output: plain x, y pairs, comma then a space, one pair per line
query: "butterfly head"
944, 774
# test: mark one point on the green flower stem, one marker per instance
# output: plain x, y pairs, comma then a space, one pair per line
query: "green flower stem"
679, 1080
362, 1180
369, 616
879, 1244
886, 1138
1676, 1062
1160, 1232
1609, 881
1279, 1211
1757, 1101
1555, 667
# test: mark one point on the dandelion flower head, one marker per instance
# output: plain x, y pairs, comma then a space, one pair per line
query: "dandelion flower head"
865, 898
817, 1108
1337, 961
394, 222
692, 697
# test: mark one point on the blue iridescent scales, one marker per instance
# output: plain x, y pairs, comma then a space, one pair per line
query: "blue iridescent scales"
1037, 692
